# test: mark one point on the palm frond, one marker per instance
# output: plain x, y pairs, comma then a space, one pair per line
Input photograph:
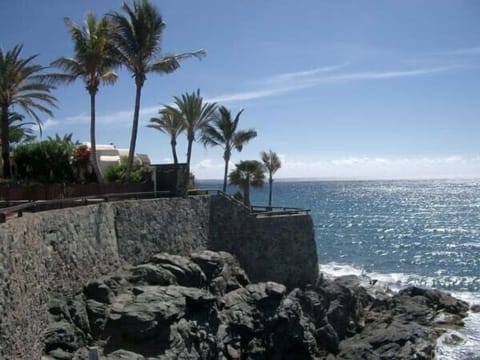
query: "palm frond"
271, 161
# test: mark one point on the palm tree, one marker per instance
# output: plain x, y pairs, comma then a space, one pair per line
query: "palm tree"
247, 173
138, 36
170, 125
194, 114
223, 132
24, 85
23, 131
272, 163
93, 62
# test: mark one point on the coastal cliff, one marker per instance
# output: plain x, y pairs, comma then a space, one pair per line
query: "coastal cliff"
205, 307
61, 250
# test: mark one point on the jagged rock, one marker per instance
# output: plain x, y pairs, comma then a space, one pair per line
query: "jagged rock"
186, 272
57, 308
99, 291
78, 314
436, 299
150, 274
327, 337
234, 275
342, 310
204, 307
147, 316
124, 355
60, 335
210, 262
60, 354
97, 316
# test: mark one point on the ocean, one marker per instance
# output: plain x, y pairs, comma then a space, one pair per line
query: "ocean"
400, 233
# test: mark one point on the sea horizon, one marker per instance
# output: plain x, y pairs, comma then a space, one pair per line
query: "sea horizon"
320, 179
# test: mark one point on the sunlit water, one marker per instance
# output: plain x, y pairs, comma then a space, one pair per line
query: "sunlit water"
400, 232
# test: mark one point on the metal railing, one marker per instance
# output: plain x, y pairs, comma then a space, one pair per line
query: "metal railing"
278, 210
257, 211
43, 205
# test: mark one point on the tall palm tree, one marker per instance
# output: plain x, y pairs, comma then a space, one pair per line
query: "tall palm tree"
93, 62
195, 116
170, 125
20, 131
272, 163
138, 36
247, 173
25, 85
223, 132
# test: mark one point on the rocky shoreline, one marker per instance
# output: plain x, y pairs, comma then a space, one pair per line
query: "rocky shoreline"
204, 307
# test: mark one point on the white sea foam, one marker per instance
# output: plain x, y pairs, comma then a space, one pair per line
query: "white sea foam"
462, 344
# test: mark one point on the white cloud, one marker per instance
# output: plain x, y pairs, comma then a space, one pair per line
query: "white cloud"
118, 118
475, 50
46, 125
300, 74
380, 75
208, 169
383, 167
354, 167
292, 81
250, 95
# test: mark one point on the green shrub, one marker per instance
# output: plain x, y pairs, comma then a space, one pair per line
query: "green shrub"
140, 172
48, 161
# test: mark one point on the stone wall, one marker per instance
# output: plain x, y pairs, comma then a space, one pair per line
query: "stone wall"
61, 250
173, 225
55, 251
276, 248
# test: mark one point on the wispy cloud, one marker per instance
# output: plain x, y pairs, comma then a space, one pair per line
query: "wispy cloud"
382, 75
251, 95
117, 118
295, 76
475, 50
275, 85
293, 81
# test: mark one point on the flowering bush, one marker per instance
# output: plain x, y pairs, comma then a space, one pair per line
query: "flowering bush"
82, 153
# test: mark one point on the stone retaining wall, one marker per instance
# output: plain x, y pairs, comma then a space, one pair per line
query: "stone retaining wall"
41, 253
273, 248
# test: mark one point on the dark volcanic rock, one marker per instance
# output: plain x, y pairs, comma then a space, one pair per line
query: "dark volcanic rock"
437, 300
61, 335
99, 291
204, 307
150, 274
186, 272
210, 262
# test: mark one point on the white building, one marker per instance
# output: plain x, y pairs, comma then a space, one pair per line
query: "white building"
108, 155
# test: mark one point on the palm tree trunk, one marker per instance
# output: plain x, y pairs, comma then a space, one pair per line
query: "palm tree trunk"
226, 157
270, 183
5, 143
246, 194
189, 153
93, 142
173, 143
133, 140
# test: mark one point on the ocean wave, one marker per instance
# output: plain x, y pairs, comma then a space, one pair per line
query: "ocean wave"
461, 344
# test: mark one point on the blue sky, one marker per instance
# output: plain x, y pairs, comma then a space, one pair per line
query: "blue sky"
340, 89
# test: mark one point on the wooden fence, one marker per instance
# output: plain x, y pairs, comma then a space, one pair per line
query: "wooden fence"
10, 193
